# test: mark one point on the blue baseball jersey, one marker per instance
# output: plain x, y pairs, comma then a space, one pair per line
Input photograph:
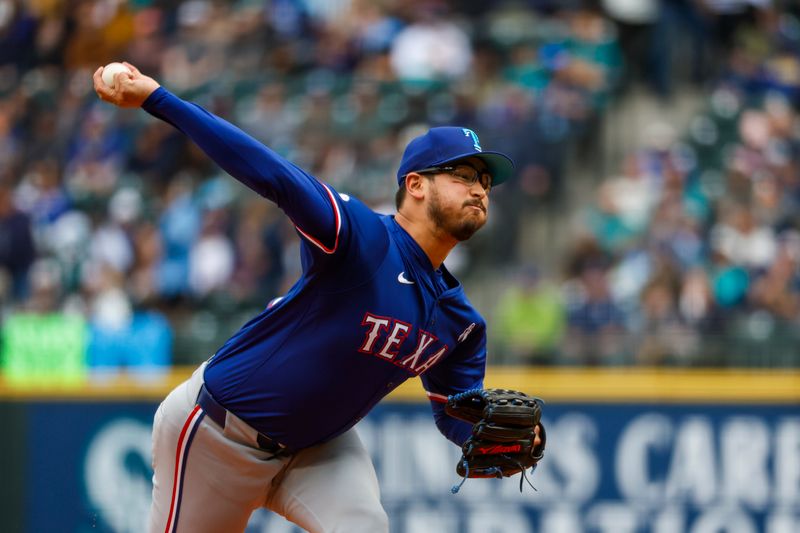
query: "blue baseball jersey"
368, 312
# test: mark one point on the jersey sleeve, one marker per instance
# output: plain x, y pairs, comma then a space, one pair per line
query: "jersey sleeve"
310, 204
464, 369
455, 430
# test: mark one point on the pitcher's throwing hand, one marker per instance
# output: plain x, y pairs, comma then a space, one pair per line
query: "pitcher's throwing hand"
130, 89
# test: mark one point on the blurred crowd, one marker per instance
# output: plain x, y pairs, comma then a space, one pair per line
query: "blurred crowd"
690, 254
113, 216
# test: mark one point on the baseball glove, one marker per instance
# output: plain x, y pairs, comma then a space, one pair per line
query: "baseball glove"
502, 440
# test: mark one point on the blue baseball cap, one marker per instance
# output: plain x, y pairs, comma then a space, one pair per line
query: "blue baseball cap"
446, 144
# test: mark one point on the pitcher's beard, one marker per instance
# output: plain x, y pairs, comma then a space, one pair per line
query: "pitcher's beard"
458, 225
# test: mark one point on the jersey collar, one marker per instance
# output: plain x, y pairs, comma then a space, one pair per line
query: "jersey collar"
422, 262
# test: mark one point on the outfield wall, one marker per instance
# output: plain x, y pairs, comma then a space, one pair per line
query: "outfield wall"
635, 450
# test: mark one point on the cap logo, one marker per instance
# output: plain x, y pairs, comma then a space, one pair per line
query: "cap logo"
476, 143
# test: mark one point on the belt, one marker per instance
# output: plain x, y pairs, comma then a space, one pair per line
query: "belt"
216, 412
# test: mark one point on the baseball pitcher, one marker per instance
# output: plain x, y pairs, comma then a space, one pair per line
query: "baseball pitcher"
268, 420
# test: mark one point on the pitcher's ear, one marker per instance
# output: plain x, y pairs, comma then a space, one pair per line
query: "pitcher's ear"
415, 184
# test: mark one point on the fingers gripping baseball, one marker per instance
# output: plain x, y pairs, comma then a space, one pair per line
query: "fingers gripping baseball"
130, 88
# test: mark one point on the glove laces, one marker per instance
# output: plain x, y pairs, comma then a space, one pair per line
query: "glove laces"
455, 488
497, 472
523, 476
468, 393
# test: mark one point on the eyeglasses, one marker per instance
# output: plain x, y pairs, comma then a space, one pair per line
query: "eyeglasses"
464, 173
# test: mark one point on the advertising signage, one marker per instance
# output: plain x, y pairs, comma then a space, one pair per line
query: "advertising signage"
609, 468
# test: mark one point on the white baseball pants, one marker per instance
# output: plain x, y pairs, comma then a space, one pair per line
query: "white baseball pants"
209, 480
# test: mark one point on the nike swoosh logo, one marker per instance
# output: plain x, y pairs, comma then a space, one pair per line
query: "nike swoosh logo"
401, 277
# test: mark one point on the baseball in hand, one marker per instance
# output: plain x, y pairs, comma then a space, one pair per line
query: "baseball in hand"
111, 70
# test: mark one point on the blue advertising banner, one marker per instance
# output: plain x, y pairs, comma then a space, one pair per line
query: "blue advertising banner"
609, 468
88, 467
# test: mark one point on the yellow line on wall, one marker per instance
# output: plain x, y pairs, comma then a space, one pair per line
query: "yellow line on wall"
640, 385
646, 385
